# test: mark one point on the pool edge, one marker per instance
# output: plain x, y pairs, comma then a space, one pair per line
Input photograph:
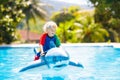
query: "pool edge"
115, 45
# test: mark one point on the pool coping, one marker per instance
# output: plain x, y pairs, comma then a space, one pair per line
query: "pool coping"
115, 45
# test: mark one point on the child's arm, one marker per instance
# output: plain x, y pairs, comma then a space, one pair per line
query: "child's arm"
57, 42
42, 41
41, 48
41, 52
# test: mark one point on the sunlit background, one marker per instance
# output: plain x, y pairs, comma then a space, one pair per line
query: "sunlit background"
79, 21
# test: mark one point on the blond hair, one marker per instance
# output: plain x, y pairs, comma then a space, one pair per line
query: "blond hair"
49, 25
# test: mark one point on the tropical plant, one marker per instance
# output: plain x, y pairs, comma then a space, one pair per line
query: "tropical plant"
62, 16
80, 28
107, 11
35, 9
90, 31
64, 31
10, 16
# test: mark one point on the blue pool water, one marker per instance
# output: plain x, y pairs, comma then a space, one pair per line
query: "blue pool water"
100, 63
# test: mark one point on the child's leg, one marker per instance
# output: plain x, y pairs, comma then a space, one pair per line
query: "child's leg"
37, 54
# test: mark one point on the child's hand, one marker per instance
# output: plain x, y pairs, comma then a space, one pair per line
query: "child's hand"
42, 54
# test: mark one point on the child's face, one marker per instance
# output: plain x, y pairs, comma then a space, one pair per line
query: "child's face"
51, 31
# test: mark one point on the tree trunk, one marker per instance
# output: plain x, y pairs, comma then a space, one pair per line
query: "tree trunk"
28, 28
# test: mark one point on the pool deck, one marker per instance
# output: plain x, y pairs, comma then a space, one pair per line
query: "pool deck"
115, 45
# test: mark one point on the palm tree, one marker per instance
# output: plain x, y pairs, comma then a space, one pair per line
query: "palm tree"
35, 8
91, 31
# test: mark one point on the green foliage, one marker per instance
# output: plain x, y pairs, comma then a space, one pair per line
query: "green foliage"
66, 31
13, 12
10, 16
114, 28
90, 31
62, 16
80, 28
107, 11
73, 9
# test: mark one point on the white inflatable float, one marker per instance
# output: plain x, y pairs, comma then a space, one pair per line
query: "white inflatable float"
55, 58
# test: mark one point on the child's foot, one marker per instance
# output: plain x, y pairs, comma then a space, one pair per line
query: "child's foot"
36, 58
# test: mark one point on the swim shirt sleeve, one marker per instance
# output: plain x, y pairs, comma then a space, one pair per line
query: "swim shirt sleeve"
42, 38
57, 42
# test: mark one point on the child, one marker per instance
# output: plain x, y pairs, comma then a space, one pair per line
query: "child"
48, 39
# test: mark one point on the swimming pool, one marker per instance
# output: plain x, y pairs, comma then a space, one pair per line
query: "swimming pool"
101, 62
